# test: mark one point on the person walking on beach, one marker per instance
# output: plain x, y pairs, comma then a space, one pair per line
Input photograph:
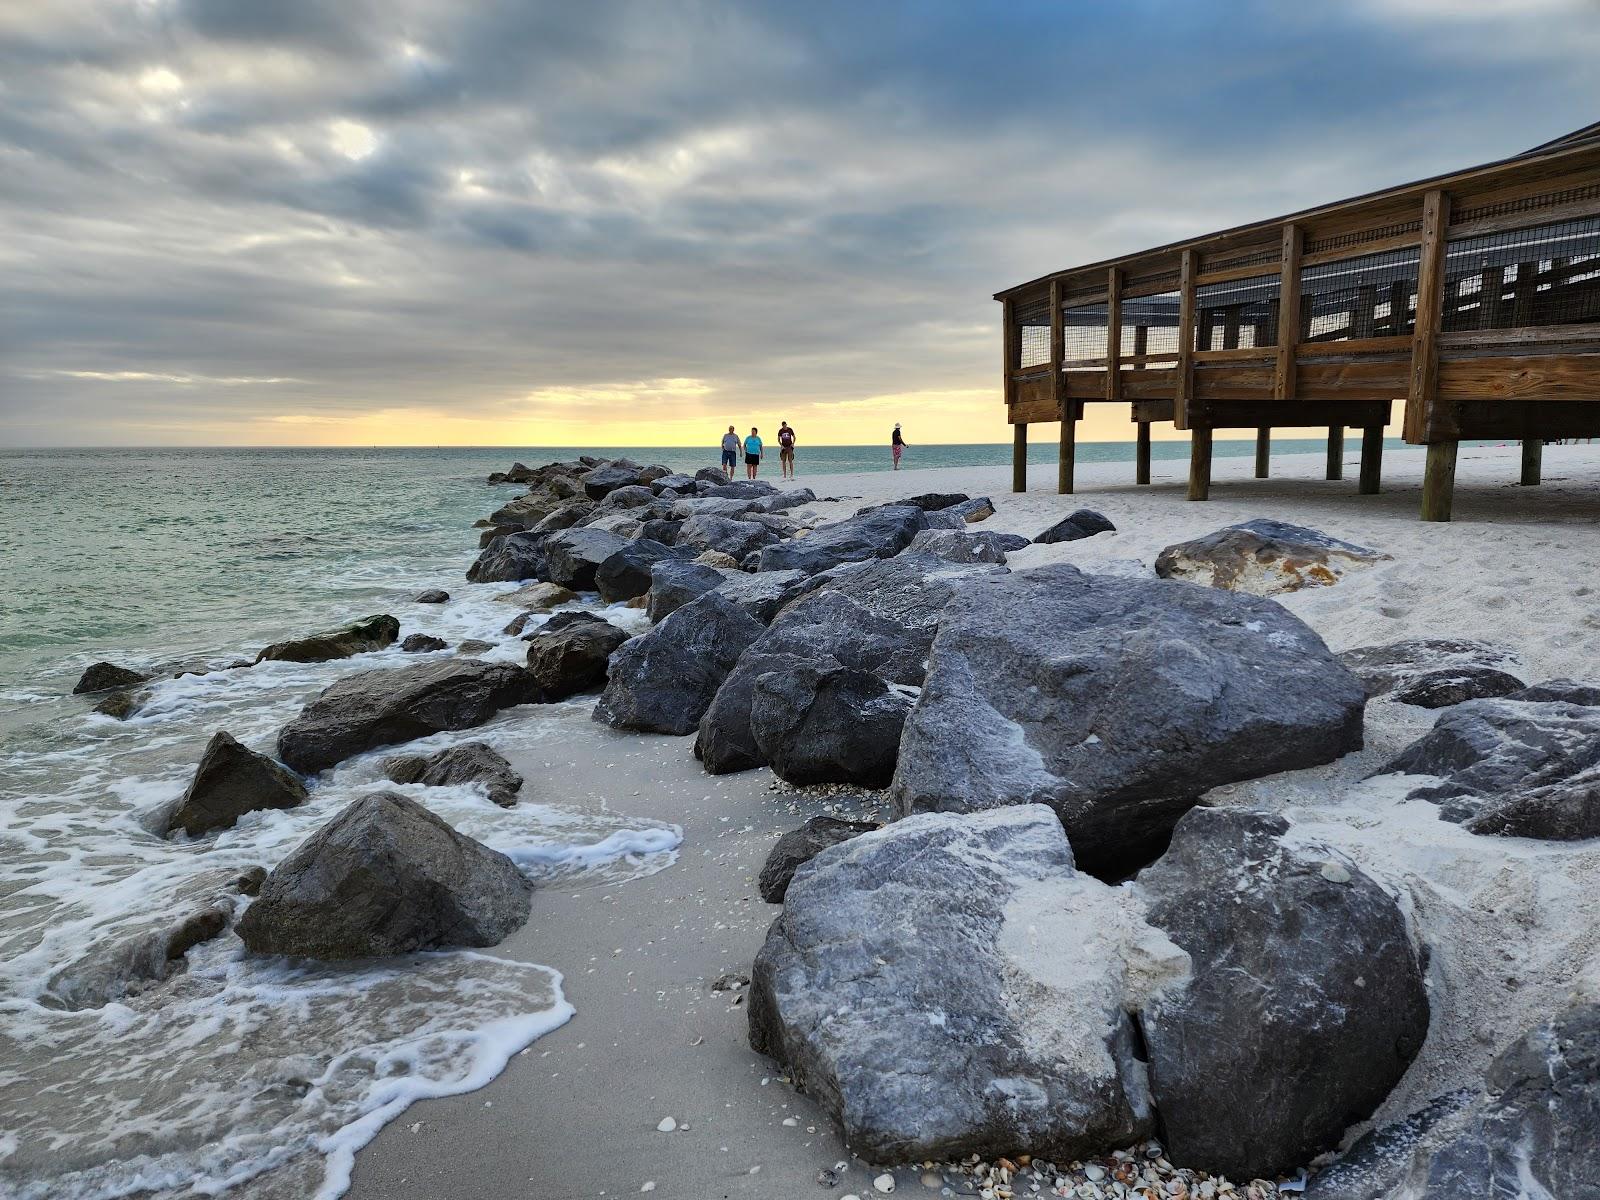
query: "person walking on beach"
786, 450
897, 445
752, 452
730, 452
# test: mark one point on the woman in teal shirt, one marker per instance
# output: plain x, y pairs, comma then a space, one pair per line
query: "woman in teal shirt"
752, 452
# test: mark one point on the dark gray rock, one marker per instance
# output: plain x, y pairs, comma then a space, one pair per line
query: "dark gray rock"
711, 475
1454, 685
626, 574
927, 502
800, 846
385, 877
422, 643
762, 595
1569, 691
828, 724
664, 681
912, 587
738, 538
380, 708
663, 531
712, 506
473, 646
1397, 664
469, 762
724, 741
739, 489
634, 496
574, 555
967, 547
433, 596
1305, 994
509, 559
601, 481
104, 676
358, 637
567, 514
230, 781
565, 658
493, 532
1512, 768
674, 583
1264, 558
1084, 523
1116, 701
905, 992
877, 534
1375, 1167
121, 704
673, 482
979, 508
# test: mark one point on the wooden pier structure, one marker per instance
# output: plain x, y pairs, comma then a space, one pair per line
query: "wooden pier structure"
1472, 299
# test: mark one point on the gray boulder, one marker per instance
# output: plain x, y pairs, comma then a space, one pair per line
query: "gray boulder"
1305, 995
358, 637
633, 496
566, 515
711, 475
1512, 768
626, 574
739, 489
510, 559
385, 877
230, 781
1568, 690
674, 583
1264, 558
828, 724
1117, 702
1399, 664
663, 681
737, 538
763, 594
663, 531
1442, 688
711, 506
724, 741
469, 762
422, 643
602, 481
963, 547
567, 657
979, 508
921, 985
881, 533
105, 676
674, 482
380, 708
1084, 523
433, 596
538, 597
799, 846
574, 555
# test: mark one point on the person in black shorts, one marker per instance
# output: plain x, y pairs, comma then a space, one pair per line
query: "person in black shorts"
730, 452
752, 452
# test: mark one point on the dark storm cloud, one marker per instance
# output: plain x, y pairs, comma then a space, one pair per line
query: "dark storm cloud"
447, 203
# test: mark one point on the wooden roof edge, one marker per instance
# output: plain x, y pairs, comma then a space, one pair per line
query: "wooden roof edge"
1561, 147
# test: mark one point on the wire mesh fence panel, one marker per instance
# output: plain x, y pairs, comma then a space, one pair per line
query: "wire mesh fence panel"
1150, 325
1085, 333
1544, 275
1238, 315
1374, 295
1033, 333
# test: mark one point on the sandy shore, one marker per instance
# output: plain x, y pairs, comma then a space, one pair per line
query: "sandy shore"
576, 1114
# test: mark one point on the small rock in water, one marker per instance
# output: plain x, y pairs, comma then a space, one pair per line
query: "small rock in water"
433, 596
104, 676
666, 1125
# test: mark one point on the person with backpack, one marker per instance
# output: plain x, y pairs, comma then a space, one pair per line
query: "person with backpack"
752, 452
786, 450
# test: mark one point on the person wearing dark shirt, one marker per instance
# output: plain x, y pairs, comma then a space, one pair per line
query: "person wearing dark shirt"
897, 445
786, 450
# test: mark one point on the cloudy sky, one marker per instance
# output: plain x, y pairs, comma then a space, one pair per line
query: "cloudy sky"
559, 223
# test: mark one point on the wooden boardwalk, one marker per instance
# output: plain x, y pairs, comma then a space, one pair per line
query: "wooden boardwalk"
1472, 298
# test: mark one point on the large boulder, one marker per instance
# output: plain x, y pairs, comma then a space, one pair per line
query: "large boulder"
633, 496
799, 846
1531, 1133
566, 514
674, 583
230, 781
733, 537
738, 489
877, 534
567, 657
925, 986
1418, 670
469, 762
673, 482
962, 547
1441, 689
1512, 768
626, 573
1084, 523
574, 555
762, 594
601, 481
358, 637
1305, 1000
510, 559
1569, 690
663, 681
385, 877
538, 597
1117, 702
927, 502
105, 676
1264, 558
979, 508
829, 724
422, 643
380, 708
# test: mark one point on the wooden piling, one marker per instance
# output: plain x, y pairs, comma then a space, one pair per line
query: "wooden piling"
1532, 461
1141, 454
1263, 451
1200, 464
1371, 459
1439, 481
1336, 452
1069, 449
1019, 457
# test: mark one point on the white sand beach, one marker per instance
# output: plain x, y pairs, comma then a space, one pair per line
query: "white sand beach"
1512, 924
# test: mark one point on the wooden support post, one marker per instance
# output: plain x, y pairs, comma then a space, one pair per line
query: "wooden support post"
1200, 464
1439, 481
1183, 371
1019, 457
1288, 313
1141, 454
1263, 452
1371, 459
1067, 409
1532, 461
1335, 451
1068, 460
1424, 422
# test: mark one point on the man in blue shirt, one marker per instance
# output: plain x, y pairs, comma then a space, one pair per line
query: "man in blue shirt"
752, 452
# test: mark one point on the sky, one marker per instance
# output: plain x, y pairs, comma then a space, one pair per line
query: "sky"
436, 222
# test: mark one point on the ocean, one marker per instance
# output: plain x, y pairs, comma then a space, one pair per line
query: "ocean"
123, 1071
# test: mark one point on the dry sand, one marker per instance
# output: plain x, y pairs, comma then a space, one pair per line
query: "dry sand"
1512, 924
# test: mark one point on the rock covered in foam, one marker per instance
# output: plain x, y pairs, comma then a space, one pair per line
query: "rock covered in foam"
358, 637
230, 781
1264, 557
466, 763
